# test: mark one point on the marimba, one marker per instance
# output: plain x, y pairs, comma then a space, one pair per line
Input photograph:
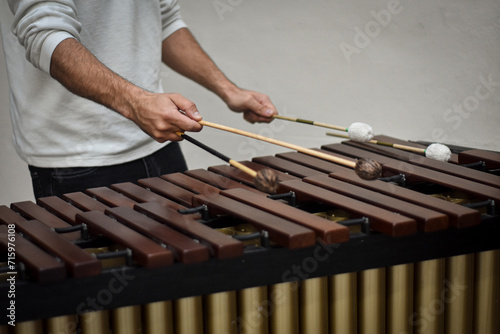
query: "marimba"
203, 252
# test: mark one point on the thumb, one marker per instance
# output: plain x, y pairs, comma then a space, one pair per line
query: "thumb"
187, 106
260, 108
194, 114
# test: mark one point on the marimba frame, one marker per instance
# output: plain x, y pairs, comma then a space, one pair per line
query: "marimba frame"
256, 267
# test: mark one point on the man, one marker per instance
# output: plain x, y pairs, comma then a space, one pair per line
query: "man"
87, 104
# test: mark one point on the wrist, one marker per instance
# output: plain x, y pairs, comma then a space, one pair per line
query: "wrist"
133, 98
227, 91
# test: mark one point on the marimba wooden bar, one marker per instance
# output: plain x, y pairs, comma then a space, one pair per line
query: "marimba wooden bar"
205, 252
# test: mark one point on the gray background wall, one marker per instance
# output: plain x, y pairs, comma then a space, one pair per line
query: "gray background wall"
416, 70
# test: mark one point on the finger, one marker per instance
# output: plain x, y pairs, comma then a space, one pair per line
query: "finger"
162, 136
249, 116
268, 107
266, 101
262, 109
187, 106
176, 136
254, 105
172, 135
188, 120
254, 118
183, 123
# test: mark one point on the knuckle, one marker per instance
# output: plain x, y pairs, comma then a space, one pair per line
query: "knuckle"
194, 127
158, 136
162, 127
191, 105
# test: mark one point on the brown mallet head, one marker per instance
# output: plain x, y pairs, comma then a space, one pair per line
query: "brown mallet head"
266, 181
368, 169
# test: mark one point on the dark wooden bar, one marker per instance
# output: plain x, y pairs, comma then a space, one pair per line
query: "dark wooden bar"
281, 231
110, 197
40, 265
168, 190
380, 220
84, 202
60, 208
326, 231
221, 245
7, 216
287, 166
458, 215
237, 175
31, 211
77, 262
491, 159
185, 249
416, 173
145, 252
313, 162
142, 195
191, 184
427, 219
219, 181
428, 163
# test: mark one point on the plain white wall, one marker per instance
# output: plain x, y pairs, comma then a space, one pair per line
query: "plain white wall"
416, 70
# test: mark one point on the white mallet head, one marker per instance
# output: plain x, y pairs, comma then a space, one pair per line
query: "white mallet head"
438, 152
360, 132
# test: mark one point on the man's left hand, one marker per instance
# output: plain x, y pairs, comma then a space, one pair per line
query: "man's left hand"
256, 107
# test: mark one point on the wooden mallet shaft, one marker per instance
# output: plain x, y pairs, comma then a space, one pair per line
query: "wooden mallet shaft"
264, 180
232, 162
297, 148
299, 120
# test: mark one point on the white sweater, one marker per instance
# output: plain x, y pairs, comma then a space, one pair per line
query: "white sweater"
55, 128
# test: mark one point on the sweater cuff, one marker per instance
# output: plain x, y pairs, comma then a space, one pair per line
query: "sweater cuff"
49, 45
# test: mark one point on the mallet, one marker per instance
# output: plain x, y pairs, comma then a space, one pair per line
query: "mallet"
265, 180
365, 168
357, 131
434, 151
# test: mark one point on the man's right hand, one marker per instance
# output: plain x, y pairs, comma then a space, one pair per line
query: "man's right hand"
159, 115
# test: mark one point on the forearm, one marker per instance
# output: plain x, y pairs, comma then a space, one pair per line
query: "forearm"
157, 114
182, 53
83, 74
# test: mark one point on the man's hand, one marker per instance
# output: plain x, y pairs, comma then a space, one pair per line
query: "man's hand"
256, 107
158, 115
182, 53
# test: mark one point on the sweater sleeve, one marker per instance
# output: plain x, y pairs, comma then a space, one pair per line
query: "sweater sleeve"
170, 17
41, 25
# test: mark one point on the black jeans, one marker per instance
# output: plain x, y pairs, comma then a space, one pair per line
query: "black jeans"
58, 181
